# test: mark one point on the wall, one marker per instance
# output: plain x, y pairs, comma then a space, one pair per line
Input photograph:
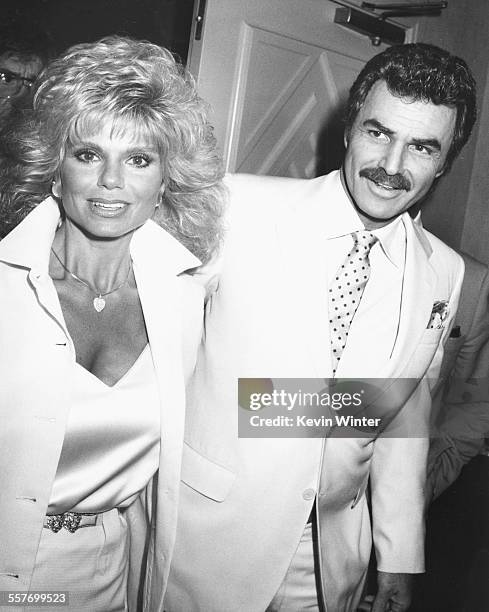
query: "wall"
457, 210
475, 236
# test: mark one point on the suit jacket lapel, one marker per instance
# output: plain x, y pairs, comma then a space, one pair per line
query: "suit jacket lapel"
418, 290
305, 269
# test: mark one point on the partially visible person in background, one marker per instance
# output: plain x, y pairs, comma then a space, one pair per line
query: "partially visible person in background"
24, 50
460, 418
457, 537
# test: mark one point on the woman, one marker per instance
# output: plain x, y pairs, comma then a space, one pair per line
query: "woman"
99, 327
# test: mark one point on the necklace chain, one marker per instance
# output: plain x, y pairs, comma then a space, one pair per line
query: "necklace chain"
98, 302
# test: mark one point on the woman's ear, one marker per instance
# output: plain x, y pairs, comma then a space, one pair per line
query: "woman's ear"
56, 188
160, 195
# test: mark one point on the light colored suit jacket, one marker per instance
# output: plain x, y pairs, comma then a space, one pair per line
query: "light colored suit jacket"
244, 502
36, 364
460, 419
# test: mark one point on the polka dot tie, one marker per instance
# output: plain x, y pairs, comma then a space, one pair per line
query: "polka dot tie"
346, 292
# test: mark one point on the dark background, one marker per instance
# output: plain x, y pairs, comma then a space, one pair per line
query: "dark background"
66, 22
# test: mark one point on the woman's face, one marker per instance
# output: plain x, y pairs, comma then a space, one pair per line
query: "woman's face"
109, 182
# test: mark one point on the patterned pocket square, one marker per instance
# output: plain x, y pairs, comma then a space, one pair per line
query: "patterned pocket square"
438, 315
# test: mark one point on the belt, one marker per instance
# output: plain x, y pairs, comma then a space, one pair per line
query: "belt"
71, 521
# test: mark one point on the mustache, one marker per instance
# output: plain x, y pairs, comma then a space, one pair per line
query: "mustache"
379, 175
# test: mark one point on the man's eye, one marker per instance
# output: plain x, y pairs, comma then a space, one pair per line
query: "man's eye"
377, 134
422, 149
6, 77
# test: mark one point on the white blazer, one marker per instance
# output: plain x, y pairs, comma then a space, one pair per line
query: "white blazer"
244, 502
36, 365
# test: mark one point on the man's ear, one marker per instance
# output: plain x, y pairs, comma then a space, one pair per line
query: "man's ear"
442, 170
346, 137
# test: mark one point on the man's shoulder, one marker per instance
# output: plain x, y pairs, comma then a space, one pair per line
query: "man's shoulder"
475, 294
240, 181
443, 256
251, 190
475, 271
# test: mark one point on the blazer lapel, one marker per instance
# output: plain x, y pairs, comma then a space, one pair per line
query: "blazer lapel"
158, 260
306, 272
418, 290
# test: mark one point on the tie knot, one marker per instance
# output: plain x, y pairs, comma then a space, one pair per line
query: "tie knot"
364, 239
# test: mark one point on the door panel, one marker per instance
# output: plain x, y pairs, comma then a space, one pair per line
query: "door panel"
284, 91
276, 73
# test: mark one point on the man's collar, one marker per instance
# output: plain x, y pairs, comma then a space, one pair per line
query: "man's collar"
392, 238
344, 219
420, 232
29, 244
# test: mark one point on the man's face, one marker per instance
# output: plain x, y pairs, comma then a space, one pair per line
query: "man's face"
15, 66
395, 150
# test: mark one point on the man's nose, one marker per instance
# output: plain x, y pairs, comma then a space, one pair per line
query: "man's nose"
111, 176
393, 161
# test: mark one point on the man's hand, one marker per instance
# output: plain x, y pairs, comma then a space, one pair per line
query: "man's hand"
393, 594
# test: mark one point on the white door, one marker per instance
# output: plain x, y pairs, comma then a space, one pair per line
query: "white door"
276, 73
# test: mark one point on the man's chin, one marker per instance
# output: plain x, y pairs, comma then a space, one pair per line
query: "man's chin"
378, 215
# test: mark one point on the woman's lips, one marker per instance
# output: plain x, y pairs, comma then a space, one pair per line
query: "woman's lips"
108, 208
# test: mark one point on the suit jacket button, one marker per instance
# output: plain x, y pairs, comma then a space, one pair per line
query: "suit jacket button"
309, 494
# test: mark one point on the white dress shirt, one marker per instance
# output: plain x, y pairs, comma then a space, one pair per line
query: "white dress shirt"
381, 300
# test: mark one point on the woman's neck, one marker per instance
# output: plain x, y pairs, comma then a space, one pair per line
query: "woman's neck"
103, 264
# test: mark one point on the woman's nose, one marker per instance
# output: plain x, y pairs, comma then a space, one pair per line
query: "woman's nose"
111, 176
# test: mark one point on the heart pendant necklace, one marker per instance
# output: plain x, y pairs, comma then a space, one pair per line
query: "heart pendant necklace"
99, 299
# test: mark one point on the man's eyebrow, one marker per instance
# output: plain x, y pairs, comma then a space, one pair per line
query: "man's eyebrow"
373, 123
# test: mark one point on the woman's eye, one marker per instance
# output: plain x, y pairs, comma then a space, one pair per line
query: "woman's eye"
86, 156
141, 161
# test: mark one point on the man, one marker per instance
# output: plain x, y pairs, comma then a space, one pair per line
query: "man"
23, 53
460, 414
244, 542
456, 542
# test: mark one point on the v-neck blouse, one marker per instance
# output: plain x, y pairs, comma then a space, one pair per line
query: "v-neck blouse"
112, 441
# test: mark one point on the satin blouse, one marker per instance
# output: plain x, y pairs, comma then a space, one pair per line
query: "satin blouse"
112, 441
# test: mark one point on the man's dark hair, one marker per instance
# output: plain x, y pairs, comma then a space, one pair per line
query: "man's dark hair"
25, 39
421, 72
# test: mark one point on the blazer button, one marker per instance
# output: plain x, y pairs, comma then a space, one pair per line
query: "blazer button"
309, 494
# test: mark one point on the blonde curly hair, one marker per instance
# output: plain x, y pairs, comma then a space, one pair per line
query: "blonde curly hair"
139, 86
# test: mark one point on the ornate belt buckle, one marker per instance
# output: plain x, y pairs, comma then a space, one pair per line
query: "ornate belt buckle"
54, 522
69, 520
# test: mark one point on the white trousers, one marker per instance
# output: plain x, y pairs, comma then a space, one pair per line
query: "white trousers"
91, 564
298, 589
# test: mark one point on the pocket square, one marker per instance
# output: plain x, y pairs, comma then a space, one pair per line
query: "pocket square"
438, 315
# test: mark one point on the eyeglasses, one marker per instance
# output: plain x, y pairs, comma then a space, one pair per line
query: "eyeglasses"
12, 84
